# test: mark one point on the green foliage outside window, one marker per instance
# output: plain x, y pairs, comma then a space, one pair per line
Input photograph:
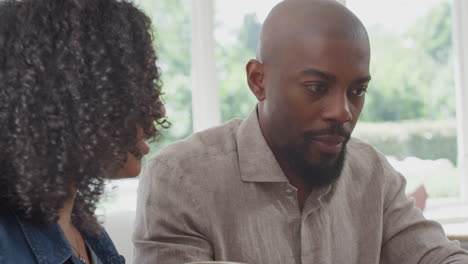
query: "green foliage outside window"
172, 36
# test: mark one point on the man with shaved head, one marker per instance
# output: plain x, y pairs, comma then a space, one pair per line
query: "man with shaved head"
288, 185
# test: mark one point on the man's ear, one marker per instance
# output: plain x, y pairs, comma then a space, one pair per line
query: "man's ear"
255, 78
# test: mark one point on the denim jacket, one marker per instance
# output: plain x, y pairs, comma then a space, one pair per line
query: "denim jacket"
22, 242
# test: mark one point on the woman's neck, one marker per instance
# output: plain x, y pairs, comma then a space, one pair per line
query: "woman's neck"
65, 213
72, 234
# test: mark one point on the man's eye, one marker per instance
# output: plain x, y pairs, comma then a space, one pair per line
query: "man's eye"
360, 91
315, 87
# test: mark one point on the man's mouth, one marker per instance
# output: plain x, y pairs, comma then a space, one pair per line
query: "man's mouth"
328, 143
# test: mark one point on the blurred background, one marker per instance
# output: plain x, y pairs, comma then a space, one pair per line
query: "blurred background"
411, 113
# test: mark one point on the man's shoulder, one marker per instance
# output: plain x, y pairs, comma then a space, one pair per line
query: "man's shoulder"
365, 158
362, 150
192, 164
367, 175
359, 144
215, 141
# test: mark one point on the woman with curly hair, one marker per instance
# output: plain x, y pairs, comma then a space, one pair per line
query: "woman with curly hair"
79, 95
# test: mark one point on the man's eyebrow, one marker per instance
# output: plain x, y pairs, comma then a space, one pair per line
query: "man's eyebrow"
363, 79
324, 75
330, 77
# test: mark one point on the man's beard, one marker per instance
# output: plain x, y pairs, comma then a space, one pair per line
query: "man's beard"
316, 175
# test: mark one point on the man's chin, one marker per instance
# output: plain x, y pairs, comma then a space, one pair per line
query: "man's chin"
318, 171
325, 159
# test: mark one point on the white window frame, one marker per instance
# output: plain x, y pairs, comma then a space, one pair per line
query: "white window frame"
460, 42
206, 110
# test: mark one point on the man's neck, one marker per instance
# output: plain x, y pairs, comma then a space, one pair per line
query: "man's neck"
303, 189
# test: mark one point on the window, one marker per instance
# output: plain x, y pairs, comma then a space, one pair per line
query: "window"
238, 25
172, 36
410, 112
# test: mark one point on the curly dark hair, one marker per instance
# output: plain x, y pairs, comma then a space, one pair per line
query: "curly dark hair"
76, 79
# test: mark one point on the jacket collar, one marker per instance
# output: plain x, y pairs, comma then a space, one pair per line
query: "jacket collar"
104, 248
49, 244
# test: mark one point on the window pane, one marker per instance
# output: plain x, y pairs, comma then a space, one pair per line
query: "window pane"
410, 107
238, 25
171, 24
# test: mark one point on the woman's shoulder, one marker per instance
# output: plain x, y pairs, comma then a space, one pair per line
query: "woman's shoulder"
14, 247
23, 242
9, 226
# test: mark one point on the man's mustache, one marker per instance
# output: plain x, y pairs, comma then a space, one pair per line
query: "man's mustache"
337, 130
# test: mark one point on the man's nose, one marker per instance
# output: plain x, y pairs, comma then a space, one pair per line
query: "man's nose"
337, 108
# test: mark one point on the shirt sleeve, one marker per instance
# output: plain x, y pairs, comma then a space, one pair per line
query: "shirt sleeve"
407, 236
169, 221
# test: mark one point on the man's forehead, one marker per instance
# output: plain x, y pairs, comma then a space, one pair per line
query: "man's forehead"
292, 19
314, 46
325, 57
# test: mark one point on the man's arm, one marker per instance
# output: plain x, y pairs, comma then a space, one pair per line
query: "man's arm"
168, 218
407, 236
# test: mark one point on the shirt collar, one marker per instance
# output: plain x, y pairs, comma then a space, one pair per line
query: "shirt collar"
258, 163
256, 160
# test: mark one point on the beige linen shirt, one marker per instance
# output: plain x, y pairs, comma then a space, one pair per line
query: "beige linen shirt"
221, 195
